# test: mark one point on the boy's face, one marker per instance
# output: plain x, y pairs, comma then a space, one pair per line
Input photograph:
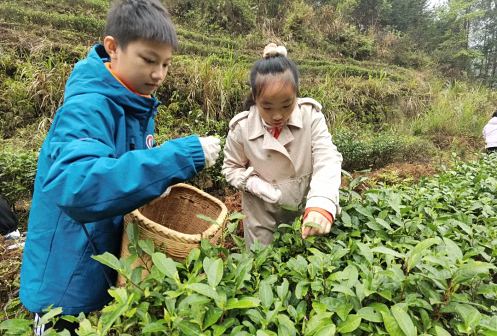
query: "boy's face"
142, 65
276, 101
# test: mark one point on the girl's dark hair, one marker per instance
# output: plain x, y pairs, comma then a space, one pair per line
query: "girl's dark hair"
131, 20
272, 65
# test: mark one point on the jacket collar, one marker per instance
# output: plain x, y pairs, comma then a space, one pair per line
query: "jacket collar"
256, 126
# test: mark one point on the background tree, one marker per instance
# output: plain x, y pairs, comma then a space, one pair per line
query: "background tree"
484, 40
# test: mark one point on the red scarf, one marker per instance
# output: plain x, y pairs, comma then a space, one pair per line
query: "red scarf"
275, 131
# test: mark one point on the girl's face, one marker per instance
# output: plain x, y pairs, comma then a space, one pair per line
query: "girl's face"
276, 101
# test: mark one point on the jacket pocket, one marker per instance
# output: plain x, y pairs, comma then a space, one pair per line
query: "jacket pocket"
293, 192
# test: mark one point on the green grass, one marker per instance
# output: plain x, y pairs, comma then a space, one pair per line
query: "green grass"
458, 109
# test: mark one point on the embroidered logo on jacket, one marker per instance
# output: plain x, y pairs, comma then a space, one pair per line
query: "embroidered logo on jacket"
149, 141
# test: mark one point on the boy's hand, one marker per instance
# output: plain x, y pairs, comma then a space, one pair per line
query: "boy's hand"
211, 146
315, 224
260, 188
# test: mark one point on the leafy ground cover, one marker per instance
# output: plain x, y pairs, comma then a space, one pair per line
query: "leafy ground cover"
401, 260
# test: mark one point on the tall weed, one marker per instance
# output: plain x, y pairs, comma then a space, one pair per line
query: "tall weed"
458, 109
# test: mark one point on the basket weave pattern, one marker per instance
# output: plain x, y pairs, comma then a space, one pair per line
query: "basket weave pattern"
171, 222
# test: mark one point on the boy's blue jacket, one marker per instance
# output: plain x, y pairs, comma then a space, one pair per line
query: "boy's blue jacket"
88, 173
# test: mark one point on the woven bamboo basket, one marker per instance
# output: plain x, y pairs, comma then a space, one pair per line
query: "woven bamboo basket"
171, 222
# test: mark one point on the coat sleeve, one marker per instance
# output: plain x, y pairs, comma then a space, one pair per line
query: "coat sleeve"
90, 182
235, 161
326, 167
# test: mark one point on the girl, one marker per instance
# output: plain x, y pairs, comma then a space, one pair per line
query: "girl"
280, 154
490, 134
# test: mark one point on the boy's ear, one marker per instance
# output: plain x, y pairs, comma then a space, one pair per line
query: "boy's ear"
110, 45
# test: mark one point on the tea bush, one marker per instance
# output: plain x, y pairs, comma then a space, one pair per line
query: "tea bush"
403, 260
362, 149
17, 172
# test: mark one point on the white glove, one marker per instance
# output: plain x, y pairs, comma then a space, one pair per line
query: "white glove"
211, 146
167, 192
260, 188
315, 218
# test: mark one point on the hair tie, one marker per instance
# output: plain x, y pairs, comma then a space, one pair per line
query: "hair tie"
273, 50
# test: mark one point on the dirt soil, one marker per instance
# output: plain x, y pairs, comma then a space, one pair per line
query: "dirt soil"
399, 172
10, 263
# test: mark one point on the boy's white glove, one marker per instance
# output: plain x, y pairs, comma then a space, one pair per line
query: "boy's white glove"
260, 188
167, 192
211, 146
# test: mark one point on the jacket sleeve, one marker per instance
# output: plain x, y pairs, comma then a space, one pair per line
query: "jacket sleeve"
326, 166
235, 161
90, 182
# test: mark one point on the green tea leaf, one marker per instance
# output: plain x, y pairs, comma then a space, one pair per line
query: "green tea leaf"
419, 251
17, 326
165, 265
50, 315
404, 320
266, 294
352, 322
242, 303
153, 327
110, 260
391, 324
470, 315
470, 270
214, 271
370, 314
326, 330
439, 331
189, 328
212, 315
387, 251
286, 326
317, 322
147, 246
203, 289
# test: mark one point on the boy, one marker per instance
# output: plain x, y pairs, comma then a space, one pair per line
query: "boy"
99, 162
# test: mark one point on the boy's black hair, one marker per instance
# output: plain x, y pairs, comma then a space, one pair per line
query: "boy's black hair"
273, 65
495, 114
131, 20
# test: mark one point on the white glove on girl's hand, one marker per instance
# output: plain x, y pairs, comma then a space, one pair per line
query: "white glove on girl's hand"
211, 146
315, 217
260, 188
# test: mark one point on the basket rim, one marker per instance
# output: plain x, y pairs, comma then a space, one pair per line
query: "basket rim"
167, 232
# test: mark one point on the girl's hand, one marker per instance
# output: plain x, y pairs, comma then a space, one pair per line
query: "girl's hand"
262, 189
315, 224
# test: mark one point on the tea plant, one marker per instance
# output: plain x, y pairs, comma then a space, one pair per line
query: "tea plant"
400, 261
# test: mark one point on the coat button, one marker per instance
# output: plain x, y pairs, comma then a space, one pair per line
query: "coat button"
292, 176
274, 181
269, 156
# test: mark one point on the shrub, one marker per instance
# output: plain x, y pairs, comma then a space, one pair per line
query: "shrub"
363, 151
297, 24
17, 173
235, 16
403, 260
